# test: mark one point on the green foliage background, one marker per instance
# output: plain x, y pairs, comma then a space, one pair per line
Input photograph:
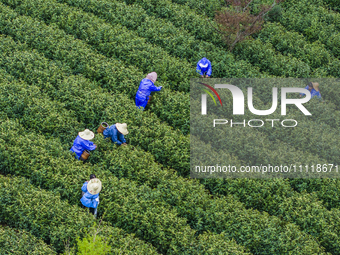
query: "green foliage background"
67, 65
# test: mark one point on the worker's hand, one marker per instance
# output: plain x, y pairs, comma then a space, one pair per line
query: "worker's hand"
300, 96
206, 76
202, 76
95, 146
124, 144
161, 87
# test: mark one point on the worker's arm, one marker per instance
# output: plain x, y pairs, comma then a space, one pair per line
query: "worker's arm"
121, 138
84, 188
209, 70
115, 137
87, 145
153, 88
302, 94
198, 69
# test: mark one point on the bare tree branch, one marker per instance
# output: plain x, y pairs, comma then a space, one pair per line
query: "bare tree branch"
237, 23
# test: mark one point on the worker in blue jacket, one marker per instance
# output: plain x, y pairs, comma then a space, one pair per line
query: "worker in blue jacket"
204, 67
82, 142
314, 90
90, 194
116, 133
146, 86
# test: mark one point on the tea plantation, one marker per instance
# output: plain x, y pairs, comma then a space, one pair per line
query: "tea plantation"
67, 65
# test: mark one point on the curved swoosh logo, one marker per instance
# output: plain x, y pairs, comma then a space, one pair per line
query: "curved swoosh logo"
213, 90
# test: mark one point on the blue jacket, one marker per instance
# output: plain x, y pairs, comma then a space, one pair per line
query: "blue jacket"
313, 93
88, 199
80, 144
204, 66
114, 134
146, 86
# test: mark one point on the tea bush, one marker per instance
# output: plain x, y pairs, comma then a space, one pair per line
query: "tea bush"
170, 188
261, 55
44, 215
170, 147
17, 241
170, 106
134, 208
127, 205
176, 41
111, 41
314, 21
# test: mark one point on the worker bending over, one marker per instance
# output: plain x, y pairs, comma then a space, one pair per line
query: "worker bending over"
146, 86
116, 132
82, 142
204, 67
90, 194
313, 88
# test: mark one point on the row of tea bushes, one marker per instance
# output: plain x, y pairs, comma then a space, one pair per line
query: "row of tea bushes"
78, 57
314, 21
326, 189
46, 216
176, 41
169, 146
123, 163
135, 208
292, 43
182, 16
310, 135
278, 198
262, 55
112, 41
17, 241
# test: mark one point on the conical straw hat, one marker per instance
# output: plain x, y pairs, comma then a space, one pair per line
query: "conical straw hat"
122, 128
94, 186
315, 86
86, 134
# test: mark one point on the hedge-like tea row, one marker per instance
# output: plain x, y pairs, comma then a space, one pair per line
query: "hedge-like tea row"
170, 106
262, 55
314, 21
35, 110
134, 208
292, 43
14, 96
127, 205
126, 162
326, 189
112, 41
176, 41
204, 7
312, 136
96, 105
183, 16
43, 214
276, 197
17, 241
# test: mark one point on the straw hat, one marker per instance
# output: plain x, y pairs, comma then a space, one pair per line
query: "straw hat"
86, 134
122, 128
315, 86
94, 186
